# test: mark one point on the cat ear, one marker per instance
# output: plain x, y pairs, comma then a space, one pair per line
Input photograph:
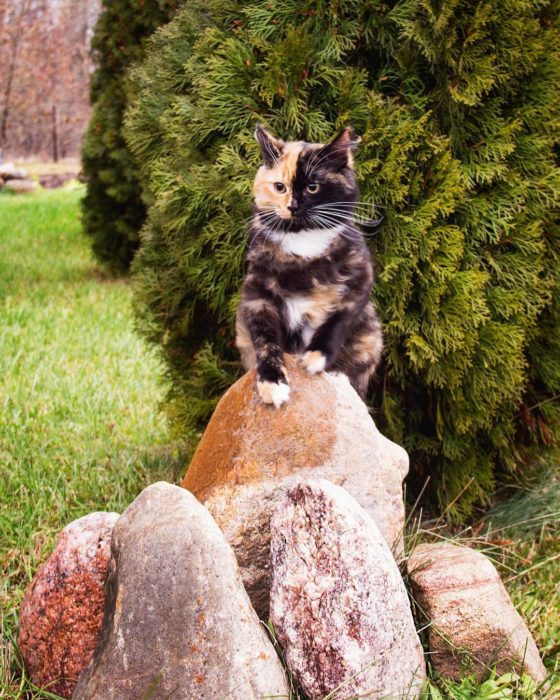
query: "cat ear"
337, 152
271, 147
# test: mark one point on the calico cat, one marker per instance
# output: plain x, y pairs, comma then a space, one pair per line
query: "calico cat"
309, 272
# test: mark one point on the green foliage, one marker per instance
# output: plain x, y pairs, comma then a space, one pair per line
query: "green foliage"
457, 106
112, 210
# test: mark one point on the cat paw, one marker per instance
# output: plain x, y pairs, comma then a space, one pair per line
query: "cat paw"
314, 361
275, 393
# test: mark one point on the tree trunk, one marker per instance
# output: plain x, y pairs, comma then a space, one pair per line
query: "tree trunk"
54, 135
11, 71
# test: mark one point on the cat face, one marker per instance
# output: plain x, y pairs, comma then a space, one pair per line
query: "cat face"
304, 186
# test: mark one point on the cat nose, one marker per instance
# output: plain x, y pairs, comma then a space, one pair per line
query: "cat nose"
293, 206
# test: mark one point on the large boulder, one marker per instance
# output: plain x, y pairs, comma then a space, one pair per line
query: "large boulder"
177, 622
62, 607
473, 624
338, 603
251, 453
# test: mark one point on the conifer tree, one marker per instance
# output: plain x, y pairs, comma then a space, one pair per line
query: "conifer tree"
456, 103
112, 210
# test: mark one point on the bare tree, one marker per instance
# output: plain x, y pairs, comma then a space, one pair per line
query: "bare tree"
44, 74
12, 33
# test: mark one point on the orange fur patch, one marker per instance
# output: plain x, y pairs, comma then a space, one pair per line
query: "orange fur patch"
325, 299
366, 347
313, 356
284, 170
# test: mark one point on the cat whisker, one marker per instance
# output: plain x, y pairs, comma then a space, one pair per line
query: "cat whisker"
357, 218
348, 206
364, 206
362, 217
267, 218
353, 202
329, 221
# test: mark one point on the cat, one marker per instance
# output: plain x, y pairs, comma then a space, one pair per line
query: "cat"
309, 273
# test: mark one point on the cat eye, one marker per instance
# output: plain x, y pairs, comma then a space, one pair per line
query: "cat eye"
280, 187
312, 187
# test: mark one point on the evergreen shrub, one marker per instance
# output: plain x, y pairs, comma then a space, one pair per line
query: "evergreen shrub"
457, 105
112, 210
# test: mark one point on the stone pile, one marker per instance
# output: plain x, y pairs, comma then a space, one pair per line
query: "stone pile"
14, 179
250, 455
302, 505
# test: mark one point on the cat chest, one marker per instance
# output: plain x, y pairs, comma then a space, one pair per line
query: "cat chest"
307, 312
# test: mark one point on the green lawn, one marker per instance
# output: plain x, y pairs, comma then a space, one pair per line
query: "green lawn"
79, 423
80, 431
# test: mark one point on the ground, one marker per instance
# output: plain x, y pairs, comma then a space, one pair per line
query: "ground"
80, 431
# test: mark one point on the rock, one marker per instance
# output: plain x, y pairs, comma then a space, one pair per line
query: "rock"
338, 603
473, 622
63, 606
178, 623
20, 186
8, 171
55, 180
251, 453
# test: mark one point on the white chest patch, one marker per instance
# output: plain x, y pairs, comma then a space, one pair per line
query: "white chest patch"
296, 309
308, 243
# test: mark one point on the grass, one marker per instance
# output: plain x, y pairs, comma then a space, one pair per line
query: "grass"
80, 431
79, 428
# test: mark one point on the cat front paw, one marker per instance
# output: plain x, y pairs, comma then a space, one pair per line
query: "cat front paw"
275, 393
314, 361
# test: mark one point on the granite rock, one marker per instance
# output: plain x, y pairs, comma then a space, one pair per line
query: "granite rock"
63, 606
178, 622
338, 603
251, 453
473, 623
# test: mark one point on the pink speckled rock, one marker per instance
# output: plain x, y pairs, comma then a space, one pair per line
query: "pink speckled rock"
62, 608
473, 624
338, 602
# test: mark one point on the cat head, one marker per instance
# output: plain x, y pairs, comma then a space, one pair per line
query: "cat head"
304, 186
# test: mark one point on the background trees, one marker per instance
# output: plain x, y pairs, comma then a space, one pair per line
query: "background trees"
457, 107
44, 74
112, 209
